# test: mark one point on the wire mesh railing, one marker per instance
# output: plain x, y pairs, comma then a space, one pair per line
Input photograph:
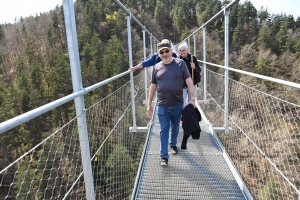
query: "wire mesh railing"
264, 143
53, 169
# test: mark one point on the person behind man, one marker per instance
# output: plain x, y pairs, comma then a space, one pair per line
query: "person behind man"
168, 78
192, 66
155, 58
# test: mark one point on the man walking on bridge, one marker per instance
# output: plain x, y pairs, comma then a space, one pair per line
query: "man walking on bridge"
168, 79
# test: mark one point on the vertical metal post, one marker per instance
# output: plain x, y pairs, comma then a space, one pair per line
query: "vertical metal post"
145, 70
128, 18
79, 101
195, 53
204, 65
151, 48
226, 95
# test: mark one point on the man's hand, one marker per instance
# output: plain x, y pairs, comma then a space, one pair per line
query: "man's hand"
149, 109
135, 67
192, 101
152, 90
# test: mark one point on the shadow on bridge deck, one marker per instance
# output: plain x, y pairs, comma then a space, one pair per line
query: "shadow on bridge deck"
200, 172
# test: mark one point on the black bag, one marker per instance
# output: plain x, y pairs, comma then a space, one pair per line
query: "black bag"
197, 71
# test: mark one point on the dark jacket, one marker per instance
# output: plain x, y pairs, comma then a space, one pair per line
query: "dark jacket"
190, 121
197, 71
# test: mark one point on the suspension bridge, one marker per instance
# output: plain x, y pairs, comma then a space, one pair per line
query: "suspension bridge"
248, 148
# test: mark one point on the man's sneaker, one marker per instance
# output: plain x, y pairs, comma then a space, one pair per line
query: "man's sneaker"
174, 150
164, 162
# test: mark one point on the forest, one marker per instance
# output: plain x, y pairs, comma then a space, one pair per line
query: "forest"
34, 62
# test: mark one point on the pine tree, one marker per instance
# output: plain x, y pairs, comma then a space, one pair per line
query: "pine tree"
160, 14
262, 66
297, 48
263, 15
264, 38
60, 84
248, 22
120, 167
2, 34
281, 38
24, 31
93, 14
115, 61
3, 97
23, 87
297, 24
52, 31
92, 60
202, 13
179, 19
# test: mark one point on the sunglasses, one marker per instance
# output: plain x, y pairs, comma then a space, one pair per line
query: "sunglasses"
162, 52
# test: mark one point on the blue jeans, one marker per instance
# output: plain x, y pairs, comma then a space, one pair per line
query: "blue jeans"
168, 117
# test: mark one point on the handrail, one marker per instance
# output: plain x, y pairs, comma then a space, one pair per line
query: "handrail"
275, 80
13, 122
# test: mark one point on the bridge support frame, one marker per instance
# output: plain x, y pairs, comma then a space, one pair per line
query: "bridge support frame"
73, 51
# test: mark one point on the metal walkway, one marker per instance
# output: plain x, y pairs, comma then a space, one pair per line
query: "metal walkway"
200, 172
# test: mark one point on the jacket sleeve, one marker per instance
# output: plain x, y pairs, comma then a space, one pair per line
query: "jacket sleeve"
150, 61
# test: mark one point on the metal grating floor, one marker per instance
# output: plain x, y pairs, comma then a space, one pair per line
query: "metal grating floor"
200, 172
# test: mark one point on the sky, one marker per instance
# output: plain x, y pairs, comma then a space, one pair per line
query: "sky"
12, 9
278, 6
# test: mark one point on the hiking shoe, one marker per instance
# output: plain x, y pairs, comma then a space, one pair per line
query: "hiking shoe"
164, 162
174, 150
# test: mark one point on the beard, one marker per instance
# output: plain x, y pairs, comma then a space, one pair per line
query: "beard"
166, 59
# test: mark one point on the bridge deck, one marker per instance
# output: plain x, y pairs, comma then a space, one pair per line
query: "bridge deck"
200, 172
